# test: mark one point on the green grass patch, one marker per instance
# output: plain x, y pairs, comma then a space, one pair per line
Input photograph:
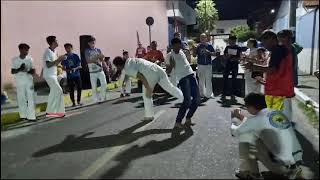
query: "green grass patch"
309, 111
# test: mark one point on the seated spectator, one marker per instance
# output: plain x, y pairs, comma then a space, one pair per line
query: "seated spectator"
268, 137
107, 69
154, 55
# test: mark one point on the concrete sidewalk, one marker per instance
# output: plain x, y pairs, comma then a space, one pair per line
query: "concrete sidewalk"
9, 111
308, 90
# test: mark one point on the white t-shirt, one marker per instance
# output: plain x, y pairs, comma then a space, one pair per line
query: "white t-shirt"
182, 67
151, 71
50, 56
275, 131
16, 64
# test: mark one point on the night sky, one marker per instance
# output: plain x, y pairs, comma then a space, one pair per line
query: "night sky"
239, 9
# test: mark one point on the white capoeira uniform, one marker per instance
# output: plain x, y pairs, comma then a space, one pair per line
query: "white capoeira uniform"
25, 88
154, 75
127, 81
55, 104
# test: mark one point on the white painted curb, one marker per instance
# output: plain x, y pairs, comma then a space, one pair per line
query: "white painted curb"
303, 98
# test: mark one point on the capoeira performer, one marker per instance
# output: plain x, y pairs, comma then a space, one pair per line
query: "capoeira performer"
125, 80
150, 74
56, 106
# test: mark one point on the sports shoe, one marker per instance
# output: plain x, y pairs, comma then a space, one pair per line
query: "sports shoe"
121, 95
127, 95
189, 123
247, 175
59, 115
295, 173
233, 99
148, 118
32, 120
178, 125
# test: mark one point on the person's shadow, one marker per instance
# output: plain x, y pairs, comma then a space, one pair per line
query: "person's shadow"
72, 143
152, 147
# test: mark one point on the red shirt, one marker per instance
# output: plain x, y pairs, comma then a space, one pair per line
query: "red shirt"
280, 81
154, 55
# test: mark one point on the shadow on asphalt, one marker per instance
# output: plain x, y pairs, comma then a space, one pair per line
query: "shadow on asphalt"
305, 87
72, 143
158, 101
131, 100
310, 155
152, 147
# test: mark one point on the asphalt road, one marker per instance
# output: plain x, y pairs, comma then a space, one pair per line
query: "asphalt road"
110, 141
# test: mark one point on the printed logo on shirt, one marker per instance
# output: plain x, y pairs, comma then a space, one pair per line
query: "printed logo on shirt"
278, 120
71, 63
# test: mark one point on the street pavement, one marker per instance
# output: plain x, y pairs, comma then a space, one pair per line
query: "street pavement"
109, 140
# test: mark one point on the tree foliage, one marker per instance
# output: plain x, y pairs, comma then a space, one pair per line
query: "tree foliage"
243, 33
207, 15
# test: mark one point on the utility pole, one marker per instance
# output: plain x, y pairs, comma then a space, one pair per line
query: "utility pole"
292, 14
205, 13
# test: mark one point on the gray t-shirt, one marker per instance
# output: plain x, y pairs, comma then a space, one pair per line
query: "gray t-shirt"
92, 54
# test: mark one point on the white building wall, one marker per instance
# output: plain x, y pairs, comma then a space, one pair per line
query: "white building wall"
227, 25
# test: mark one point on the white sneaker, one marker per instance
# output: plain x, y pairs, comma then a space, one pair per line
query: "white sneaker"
148, 118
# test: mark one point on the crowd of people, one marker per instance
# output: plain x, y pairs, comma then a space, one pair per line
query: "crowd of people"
270, 77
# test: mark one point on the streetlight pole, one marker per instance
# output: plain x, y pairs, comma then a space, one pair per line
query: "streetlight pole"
205, 13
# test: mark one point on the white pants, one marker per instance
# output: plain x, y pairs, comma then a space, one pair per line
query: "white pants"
103, 82
287, 110
173, 78
127, 88
56, 99
251, 84
165, 83
25, 97
205, 80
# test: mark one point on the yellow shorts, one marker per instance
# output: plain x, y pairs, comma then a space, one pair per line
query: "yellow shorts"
275, 102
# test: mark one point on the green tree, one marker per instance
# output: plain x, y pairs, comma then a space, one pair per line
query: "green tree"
207, 15
243, 33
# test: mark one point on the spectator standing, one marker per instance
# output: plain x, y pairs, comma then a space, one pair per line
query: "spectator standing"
251, 54
204, 52
23, 70
232, 56
94, 58
285, 38
73, 65
279, 86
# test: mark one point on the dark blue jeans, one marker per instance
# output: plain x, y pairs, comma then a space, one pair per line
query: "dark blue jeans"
231, 66
190, 89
